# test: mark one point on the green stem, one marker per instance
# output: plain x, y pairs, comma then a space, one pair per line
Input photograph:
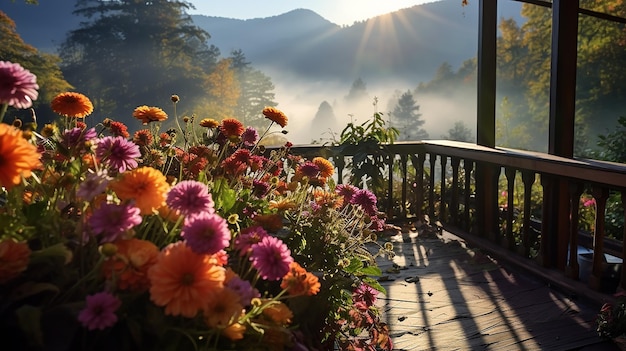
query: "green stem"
3, 110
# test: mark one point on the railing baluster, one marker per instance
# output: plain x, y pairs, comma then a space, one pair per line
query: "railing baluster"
600, 194
442, 201
510, 207
403, 164
468, 166
575, 191
431, 186
419, 186
528, 178
340, 164
622, 282
454, 201
390, 159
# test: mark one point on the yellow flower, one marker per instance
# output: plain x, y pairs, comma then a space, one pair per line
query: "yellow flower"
18, 157
146, 186
209, 123
71, 104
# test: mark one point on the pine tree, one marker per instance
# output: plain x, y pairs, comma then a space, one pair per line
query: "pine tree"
407, 118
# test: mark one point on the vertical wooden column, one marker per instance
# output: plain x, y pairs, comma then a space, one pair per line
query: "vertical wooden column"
442, 203
600, 194
528, 178
622, 282
575, 191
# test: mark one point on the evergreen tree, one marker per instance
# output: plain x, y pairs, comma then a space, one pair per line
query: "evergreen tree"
358, 92
325, 121
460, 132
406, 117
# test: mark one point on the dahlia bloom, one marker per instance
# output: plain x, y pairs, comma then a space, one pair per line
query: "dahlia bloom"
147, 114
232, 127
248, 237
275, 115
300, 282
189, 197
206, 233
118, 153
18, 86
366, 199
112, 220
71, 104
128, 268
99, 312
18, 156
271, 258
146, 186
223, 308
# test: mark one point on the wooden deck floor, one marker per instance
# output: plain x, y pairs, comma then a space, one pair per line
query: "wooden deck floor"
444, 295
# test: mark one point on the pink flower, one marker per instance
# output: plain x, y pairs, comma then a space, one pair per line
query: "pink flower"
18, 86
250, 136
118, 153
189, 197
100, 311
589, 202
365, 294
366, 199
112, 220
206, 233
271, 258
248, 237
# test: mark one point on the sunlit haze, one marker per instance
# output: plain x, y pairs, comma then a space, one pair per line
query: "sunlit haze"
341, 12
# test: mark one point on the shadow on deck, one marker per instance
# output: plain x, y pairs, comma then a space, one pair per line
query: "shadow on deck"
443, 294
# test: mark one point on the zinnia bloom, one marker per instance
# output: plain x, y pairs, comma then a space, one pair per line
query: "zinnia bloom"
275, 115
93, 185
278, 312
184, 281
366, 294
206, 233
325, 167
250, 136
245, 291
148, 114
209, 123
248, 237
18, 86
146, 186
128, 268
271, 258
222, 308
231, 127
118, 153
366, 199
72, 104
189, 197
300, 282
14, 258
113, 220
143, 137
100, 311
119, 129
18, 157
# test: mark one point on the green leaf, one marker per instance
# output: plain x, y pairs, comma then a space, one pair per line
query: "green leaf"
355, 265
374, 284
223, 195
29, 320
370, 270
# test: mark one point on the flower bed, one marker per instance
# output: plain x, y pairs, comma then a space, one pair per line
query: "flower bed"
190, 238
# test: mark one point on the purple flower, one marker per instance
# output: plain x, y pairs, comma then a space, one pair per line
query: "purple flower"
248, 237
93, 185
365, 293
260, 188
347, 191
366, 199
206, 233
309, 169
244, 289
74, 139
250, 136
18, 86
100, 311
118, 153
112, 220
189, 197
271, 258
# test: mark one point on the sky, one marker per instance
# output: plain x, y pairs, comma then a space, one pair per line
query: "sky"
341, 12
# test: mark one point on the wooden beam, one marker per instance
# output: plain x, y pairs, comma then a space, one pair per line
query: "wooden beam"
487, 36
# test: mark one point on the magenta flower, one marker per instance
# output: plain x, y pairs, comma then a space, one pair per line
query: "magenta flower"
309, 169
366, 199
248, 237
100, 311
189, 197
118, 153
18, 86
112, 220
206, 233
93, 185
365, 294
250, 136
75, 139
244, 289
271, 258
347, 191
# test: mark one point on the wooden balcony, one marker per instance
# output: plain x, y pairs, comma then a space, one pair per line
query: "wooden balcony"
465, 191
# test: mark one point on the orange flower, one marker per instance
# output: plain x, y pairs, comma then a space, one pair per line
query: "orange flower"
234, 331
275, 115
300, 282
278, 312
327, 198
232, 127
270, 222
282, 205
223, 308
147, 114
18, 157
146, 186
209, 123
71, 104
14, 259
326, 168
184, 281
129, 266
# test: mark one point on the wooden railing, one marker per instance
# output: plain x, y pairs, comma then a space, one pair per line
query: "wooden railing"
473, 188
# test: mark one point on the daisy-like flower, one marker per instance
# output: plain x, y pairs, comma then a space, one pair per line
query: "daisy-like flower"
118, 153
75, 139
300, 282
189, 197
72, 104
18, 87
248, 237
147, 114
143, 137
278, 312
231, 127
128, 267
347, 191
366, 199
184, 281
93, 185
119, 129
250, 136
222, 309
271, 258
366, 294
308, 169
100, 311
145, 185
209, 123
14, 258
245, 291
326, 168
206, 233
18, 157
113, 220
275, 115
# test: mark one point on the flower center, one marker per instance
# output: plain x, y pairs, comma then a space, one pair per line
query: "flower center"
187, 279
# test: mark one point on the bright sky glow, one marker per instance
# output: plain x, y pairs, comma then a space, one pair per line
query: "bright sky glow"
341, 12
